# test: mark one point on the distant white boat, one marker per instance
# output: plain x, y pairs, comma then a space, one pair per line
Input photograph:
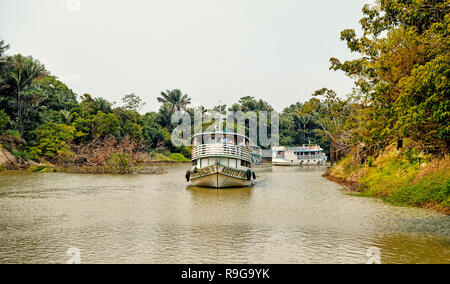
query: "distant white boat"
297, 156
221, 160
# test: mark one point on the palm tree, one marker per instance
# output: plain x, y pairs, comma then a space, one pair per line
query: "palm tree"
26, 71
176, 99
94, 105
101, 104
305, 120
164, 115
67, 116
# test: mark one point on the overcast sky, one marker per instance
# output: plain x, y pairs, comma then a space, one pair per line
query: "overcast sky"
214, 50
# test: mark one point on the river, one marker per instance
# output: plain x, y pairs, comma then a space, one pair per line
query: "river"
292, 215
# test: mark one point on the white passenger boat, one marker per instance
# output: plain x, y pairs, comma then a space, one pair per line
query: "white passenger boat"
221, 160
297, 156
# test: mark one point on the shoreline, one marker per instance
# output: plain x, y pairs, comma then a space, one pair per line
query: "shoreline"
355, 189
150, 168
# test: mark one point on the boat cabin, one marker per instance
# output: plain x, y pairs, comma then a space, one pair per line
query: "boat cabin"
226, 148
305, 155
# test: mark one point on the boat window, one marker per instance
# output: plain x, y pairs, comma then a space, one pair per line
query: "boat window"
280, 154
194, 163
206, 139
246, 164
226, 139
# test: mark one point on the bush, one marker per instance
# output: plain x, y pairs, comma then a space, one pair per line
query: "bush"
17, 153
13, 134
187, 152
53, 141
120, 163
21, 154
432, 189
344, 168
412, 156
161, 157
4, 120
386, 177
178, 157
41, 169
34, 153
370, 161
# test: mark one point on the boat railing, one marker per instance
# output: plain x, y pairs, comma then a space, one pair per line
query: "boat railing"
221, 150
311, 157
304, 157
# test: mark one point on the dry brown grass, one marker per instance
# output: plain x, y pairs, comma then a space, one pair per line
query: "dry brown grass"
110, 156
357, 175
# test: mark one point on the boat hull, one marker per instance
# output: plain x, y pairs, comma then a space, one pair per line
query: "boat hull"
218, 180
218, 176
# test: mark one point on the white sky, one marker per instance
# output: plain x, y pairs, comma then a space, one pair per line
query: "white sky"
214, 50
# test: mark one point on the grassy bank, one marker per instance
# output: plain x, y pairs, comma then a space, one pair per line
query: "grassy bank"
405, 178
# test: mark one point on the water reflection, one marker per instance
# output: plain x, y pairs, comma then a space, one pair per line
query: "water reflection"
208, 196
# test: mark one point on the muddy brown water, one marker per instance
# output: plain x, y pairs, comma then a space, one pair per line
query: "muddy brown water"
291, 215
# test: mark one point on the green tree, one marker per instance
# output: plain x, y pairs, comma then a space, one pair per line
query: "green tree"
249, 103
165, 113
4, 120
220, 108
66, 116
106, 125
402, 78
53, 141
25, 71
302, 123
130, 123
54, 94
90, 105
152, 131
133, 102
84, 127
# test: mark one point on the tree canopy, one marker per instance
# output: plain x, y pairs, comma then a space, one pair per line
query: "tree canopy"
402, 74
401, 92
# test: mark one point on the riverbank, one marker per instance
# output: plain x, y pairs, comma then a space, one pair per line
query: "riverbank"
402, 178
5, 158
